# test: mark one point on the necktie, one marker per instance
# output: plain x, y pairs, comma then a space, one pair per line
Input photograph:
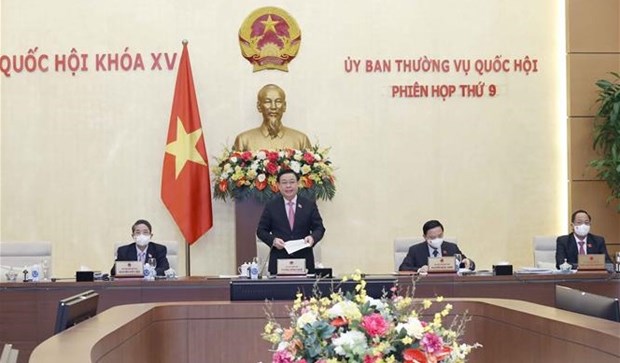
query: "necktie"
141, 256
291, 215
581, 250
435, 252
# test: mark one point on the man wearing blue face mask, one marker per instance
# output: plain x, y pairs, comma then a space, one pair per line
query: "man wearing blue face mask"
580, 242
434, 246
143, 249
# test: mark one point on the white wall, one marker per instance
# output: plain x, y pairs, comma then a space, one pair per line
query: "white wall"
82, 155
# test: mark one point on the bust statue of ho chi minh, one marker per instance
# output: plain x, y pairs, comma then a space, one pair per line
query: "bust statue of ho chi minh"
271, 134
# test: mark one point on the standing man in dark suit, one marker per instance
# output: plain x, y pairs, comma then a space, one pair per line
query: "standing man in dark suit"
290, 217
435, 246
142, 249
580, 242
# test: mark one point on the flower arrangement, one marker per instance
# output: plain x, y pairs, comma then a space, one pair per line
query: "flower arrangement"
347, 327
243, 174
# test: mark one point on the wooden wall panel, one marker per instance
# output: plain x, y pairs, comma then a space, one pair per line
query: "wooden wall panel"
593, 47
593, 26
592, 196
580, 148
583, 71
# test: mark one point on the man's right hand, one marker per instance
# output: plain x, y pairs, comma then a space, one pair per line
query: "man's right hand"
278, 243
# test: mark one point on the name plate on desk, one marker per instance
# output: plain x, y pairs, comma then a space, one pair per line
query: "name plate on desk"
590, 262
129, 269
291, 267
441, 264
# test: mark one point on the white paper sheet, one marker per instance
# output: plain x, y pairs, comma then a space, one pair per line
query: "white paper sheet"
295, 245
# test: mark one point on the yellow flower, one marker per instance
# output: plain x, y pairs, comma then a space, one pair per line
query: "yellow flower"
427, 303
268, 328
446, 310
407, 340
439, 298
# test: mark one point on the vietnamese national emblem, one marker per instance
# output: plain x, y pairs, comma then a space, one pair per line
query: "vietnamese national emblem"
269, 39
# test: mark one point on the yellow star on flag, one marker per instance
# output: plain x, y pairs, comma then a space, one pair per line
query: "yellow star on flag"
269, 24
184, 148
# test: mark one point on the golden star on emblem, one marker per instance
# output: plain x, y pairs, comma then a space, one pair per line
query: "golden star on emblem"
269, 24
184, 148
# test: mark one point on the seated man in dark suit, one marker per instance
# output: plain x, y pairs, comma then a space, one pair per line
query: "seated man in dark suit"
435, 246
142, 249
290, 217
580, 242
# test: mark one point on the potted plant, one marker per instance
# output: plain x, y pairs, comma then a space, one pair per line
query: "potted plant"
607, 135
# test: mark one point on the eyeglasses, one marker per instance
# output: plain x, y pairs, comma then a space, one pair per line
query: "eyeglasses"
579, 223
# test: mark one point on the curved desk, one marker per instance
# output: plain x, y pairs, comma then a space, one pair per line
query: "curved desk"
510, 330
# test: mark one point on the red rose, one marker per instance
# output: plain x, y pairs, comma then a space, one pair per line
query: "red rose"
246, 156
272, 168
273, 156
309, 158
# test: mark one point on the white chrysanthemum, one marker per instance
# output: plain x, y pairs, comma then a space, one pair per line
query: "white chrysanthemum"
376, 303
346, 309
251, 174
350, 340
233, 160
261, 155
254, 165
295, 166
308, 317
413, 327
261, 177
298, 155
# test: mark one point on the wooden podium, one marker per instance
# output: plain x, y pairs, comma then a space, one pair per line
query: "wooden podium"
247, 215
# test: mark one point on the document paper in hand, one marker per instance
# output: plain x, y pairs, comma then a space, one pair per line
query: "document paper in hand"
295, 245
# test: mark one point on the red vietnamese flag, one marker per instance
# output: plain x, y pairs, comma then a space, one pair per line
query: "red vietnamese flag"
185, 184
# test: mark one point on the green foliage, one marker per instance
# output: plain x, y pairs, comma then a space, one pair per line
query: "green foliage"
607, 135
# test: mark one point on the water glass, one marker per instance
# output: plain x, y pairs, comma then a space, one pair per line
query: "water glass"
458, 258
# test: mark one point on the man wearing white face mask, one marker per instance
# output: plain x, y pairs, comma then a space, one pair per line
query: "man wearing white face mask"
434, 246
142, 249
580, 242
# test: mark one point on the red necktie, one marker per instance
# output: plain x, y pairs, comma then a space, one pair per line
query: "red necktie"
291, 214
581, 250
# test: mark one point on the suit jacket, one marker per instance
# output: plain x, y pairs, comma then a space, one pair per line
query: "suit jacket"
418, 255
274, 224
566, 248
129, 253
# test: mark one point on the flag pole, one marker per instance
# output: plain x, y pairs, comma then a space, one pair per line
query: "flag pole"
185, 186
187, 259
